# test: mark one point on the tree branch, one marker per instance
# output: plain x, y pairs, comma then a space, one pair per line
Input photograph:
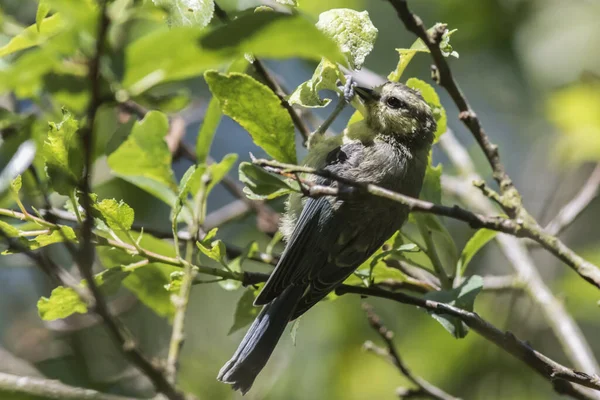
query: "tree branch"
562, 324
559, 375
424, 388
573, 208
46, 389
517, 227
511, 199
85, 258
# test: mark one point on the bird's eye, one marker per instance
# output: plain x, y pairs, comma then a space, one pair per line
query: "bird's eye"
394, 102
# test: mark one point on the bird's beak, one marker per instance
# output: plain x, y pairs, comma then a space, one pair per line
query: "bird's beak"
367, 94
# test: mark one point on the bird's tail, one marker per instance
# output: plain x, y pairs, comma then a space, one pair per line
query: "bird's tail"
260, 340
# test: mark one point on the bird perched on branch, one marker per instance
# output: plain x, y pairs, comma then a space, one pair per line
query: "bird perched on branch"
329, 237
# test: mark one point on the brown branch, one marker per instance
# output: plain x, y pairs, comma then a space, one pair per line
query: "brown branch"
560, 376
517, 227
573, 208
511, 199
86, 252
424, 388
46, 389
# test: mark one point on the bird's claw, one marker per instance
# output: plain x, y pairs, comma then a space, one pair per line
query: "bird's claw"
348, 89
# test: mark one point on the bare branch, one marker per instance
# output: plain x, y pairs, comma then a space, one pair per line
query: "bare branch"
46, 389
425, 389
573, 208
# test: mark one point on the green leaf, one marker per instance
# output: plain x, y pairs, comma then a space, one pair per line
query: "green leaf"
188, 12
432, 185
15, 185
63, 155
406, 55
194, 173
144, 158
325, 77
261, 185
432, 191
117, 215
353, 31
236, 266
217, 172
212, 118
61, 303
56, 236
461, 297
147, 283
431, 97
42, 11
34, 35
9, 230
245, 311
258, 110
110, 280
477, 241
266, 35
175, 280
214, 250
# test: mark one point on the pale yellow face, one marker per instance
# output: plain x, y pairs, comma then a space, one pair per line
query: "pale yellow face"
395, 109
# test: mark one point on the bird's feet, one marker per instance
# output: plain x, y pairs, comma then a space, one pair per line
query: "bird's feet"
348, 89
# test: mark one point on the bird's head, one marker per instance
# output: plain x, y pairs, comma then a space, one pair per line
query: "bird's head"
397, 110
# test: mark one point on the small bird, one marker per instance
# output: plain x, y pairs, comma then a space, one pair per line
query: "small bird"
329, 237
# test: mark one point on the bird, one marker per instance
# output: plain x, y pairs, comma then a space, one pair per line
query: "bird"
329, 237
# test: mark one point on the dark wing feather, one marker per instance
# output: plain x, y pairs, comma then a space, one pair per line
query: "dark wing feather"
301, 252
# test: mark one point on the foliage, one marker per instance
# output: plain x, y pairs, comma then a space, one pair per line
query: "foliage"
152, 52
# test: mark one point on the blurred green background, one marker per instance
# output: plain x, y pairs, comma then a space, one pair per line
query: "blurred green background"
530, 69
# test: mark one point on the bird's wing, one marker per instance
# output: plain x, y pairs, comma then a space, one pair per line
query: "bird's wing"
301, 253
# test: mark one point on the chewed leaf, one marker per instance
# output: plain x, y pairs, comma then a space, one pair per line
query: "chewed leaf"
353, 31
432, 98
325, 77
405, 57
61, 303
117, 215
258, 110
62, 153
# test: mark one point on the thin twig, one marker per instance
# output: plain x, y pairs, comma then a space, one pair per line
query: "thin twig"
424, 388
573, 208
46, 389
